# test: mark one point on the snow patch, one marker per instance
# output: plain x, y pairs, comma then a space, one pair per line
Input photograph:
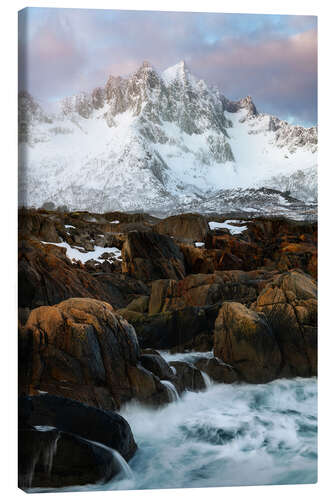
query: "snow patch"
228, 224
78, 253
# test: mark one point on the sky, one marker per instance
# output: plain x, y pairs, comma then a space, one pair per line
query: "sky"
273, 58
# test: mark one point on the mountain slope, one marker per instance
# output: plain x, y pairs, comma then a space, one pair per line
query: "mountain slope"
152, 142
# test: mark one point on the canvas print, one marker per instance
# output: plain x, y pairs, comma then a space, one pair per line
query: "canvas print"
167, 250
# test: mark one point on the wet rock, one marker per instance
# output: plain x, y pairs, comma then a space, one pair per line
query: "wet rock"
94, 424
244, 339
157, 365
54, 459
187, 377
217, 370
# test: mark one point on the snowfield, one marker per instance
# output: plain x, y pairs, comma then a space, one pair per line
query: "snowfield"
151, 142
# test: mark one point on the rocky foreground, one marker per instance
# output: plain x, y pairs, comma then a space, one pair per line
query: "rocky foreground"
101, 295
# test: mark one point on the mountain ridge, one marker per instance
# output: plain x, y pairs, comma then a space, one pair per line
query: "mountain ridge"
154, 140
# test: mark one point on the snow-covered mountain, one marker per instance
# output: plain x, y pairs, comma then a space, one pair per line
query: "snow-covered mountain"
155, 141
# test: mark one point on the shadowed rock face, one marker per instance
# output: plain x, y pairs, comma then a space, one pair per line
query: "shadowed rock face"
80, 349
148, 256
188, 328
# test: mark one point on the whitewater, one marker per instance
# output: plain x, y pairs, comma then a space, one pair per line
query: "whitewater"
227, 435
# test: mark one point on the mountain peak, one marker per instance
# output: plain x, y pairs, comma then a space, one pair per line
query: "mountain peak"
145, 66
177, 72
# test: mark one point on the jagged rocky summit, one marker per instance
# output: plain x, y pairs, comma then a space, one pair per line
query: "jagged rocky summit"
159, 143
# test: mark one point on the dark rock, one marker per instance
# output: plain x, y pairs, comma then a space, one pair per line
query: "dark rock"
180, 329
54, 459
157, 365
187, 377
217, 370
32, 224
94, 424
149, 256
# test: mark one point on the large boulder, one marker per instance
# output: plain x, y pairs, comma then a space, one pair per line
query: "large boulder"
289, 303
149, 256
81, 350
244, 339
184, 227
65, 443
67, 415
54, 459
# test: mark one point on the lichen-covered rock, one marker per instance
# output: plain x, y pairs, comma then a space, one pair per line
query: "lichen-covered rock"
204, 290
289, 303
80, 349
244, 339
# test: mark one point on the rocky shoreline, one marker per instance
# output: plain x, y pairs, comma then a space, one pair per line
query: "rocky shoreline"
101, 294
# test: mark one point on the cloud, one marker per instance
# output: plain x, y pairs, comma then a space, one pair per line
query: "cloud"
281, 74
272, 58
